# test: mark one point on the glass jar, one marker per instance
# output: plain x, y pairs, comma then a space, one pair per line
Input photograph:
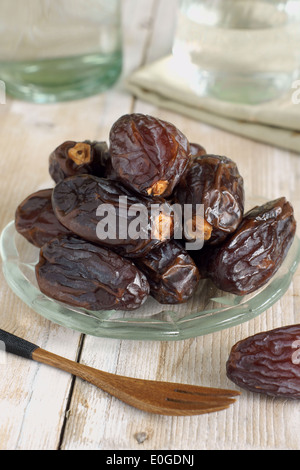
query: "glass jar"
244, 51
57, 50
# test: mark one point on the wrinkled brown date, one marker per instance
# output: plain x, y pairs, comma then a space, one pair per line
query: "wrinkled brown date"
215, 182
171, 273
196, 150
148, 155
73, 158
35, 218
251, 256
268, 362
84, 202
84, 275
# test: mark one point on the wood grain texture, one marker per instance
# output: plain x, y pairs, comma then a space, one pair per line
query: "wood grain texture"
42, 408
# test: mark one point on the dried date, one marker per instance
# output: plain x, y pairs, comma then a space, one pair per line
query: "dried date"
73, 158
35, 219
171, 273
215, 182
86, 204
197, 150
268, 362
148, 155
249, 258
84, 275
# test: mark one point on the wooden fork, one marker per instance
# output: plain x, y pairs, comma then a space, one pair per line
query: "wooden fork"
165, 398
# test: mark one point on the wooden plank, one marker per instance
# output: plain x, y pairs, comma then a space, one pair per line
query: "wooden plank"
24, 401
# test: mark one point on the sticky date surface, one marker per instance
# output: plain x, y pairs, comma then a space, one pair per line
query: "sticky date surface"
215, 182
84, 275
148, 155
253, 254
35, 219
197, 150
171, 273
268, 362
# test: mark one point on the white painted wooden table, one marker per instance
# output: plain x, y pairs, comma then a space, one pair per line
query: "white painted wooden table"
43, 408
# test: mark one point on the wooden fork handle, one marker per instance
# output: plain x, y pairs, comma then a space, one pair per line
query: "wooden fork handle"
21, 347
15, 345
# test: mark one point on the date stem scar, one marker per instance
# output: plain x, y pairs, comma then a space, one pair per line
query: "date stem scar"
81, 153
158, 188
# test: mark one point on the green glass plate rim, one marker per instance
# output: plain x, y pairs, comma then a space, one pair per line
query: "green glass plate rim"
135, 328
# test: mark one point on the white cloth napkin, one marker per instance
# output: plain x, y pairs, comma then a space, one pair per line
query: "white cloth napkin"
276, 122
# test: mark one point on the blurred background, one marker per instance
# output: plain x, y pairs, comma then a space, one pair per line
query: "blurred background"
243, 51
239, 50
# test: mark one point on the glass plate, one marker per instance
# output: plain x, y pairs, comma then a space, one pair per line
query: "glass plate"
207, 311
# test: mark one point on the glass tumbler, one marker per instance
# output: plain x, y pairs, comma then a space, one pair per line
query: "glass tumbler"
243, 51
57, 50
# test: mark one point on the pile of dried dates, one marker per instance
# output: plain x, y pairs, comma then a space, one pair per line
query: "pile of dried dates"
103, 243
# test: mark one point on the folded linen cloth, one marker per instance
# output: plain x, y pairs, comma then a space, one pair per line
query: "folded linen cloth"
275, 122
